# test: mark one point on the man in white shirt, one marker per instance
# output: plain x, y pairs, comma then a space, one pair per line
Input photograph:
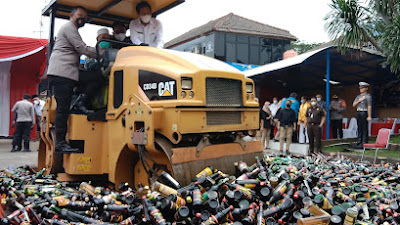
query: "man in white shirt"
274, 106
145, 30
38, 105
25, 122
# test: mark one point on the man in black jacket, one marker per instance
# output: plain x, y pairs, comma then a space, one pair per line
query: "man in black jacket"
286, 125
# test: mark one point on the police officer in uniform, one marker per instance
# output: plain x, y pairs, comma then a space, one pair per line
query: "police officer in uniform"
315, 119
363, 104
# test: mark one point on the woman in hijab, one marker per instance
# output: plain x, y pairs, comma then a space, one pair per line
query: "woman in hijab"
265, 117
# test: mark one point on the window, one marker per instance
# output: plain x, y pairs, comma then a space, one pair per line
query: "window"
265, 41
248, 49
230, 37
277, 50
254, 54
230, 52
265, 54
219, 47
242, 39
254, 40
242, 53
118, 88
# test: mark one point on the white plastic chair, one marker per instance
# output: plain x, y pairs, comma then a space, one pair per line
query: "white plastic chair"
345, 122
394, 125
351, 131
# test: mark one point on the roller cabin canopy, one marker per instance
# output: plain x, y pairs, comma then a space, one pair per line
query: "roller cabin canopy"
106, 12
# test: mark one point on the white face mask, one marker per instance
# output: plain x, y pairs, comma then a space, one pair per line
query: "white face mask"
120, 36
36, 102
302, 101
319, 99
145, 18
313, 103
275, 101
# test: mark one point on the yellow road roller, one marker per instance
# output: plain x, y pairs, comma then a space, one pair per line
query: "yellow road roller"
166, 110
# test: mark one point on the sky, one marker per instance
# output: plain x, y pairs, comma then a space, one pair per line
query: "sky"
304, 19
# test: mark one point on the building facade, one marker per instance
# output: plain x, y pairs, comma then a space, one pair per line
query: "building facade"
235, 39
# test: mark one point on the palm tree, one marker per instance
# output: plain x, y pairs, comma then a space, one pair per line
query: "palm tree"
353, 24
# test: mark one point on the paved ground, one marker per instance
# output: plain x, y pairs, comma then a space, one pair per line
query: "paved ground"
17, 158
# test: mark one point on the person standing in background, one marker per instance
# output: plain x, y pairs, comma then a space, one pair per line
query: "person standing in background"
265, 118
321, 102
38, 105
315, 120
25, 122
286, 125
363, 103
273, 107
276, 120
337, 108
305, 104
295, 106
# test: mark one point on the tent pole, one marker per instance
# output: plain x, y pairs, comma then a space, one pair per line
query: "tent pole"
328, 79
373, 97
51, 33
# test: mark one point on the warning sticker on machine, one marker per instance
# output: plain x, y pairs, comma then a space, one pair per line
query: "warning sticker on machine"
85, 160
84, 168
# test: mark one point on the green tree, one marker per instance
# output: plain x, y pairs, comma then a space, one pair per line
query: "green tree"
302, 47
354, 24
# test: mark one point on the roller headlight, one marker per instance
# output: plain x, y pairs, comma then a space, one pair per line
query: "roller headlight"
249, 87
186, 83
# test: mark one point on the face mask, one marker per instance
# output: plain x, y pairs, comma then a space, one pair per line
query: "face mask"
120, 36
80, 21
145, 18
302, 101
36, 102
275, 101
288, 105
104, 44
319, 99
335, 99
313, 103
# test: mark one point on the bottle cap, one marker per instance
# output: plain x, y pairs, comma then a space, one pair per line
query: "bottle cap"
364, 190
270, 221
213, 204
205, 215
183, 211
305, 212
297, 215
336, 220
346, 191
357, 188
265, 192
244, 204
337, 210
237, 194
319, 199
212, 194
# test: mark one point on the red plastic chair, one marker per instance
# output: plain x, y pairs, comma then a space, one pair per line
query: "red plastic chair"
382, 141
